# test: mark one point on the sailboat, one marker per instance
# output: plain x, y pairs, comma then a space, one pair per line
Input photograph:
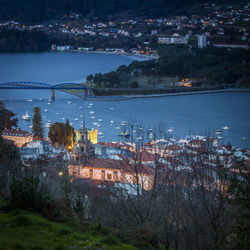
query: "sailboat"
26, 117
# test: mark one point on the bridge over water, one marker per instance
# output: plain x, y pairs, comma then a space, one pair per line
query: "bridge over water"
39, 85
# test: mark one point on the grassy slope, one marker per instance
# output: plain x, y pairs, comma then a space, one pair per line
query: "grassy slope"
23, 230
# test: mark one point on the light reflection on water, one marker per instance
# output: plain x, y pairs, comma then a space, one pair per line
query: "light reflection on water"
194, 113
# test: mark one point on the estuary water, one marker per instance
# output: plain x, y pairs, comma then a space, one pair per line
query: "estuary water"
189, 114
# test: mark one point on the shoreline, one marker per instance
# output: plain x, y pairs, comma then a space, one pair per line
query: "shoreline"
145, 57
129, 97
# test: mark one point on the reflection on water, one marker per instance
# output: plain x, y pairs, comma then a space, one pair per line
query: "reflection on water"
200, 114
180, 114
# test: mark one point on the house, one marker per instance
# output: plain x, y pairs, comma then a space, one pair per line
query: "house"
115, 171
28, 153
18, 136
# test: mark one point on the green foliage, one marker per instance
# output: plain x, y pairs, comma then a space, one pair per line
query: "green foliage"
146, 237
134, 84
24, 41
28, 194
10, 165
37, 128
24, 230
212, 66
40, 10
6, 118
239, 196
61, 134
110, 240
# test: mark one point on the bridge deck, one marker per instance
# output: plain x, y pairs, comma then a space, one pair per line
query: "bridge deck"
37, 85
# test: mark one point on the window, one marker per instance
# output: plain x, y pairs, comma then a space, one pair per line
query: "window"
91, 173
123, 177
109, 176
103, 175
135, 178
115, 176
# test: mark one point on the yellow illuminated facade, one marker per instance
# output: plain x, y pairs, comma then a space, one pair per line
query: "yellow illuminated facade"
92, 135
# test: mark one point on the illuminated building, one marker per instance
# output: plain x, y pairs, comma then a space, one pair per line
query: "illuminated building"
18, 136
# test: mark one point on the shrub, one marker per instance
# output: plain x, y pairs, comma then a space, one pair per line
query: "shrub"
146, 237
98, 228
22, 220
110, 240
28, 194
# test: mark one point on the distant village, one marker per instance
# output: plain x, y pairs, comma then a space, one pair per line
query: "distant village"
225, 26
111, 164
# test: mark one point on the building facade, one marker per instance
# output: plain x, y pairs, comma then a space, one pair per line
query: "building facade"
202, 41
18, 136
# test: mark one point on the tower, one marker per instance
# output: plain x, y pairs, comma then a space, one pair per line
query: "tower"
84, 148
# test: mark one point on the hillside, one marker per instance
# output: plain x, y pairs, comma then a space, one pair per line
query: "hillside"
24, 230
42, 10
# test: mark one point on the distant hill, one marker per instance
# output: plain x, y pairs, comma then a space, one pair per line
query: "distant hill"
42, 10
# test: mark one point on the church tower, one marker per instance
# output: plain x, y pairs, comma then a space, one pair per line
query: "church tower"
84, 148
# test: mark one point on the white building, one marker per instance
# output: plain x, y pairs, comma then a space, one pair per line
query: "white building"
202, 41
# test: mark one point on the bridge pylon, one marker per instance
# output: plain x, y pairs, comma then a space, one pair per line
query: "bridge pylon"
52, 94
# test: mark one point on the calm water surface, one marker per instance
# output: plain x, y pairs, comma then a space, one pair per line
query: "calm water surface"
187, 114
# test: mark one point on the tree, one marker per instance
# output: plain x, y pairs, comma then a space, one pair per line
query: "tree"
61, 134
238, 194
10, 165
6, 118
90, 78
37, 128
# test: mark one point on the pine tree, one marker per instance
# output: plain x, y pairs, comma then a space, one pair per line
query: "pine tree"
37, 128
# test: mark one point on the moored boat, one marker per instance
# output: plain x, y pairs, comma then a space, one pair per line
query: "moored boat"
26, 117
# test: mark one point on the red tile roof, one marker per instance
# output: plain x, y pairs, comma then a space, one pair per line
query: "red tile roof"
117, 165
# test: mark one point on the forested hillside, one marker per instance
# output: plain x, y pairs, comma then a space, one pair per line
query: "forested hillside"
41, 10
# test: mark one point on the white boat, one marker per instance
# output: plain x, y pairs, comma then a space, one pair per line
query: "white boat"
81, 116
30, 126
151, 136
90, 104
63, 118
57, 113
244, 139
98, 125
46, 110
123, 123
91, 112
92, 117
99, 120
220, 137
49, 103
76, 119
100, 133
118, 128
112, 122
71, 124
95, 123
170, 130
30, 100
111, 108
218, 132
40, 99
48, 124
26, 117
69, 102
80, 108
225, 127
